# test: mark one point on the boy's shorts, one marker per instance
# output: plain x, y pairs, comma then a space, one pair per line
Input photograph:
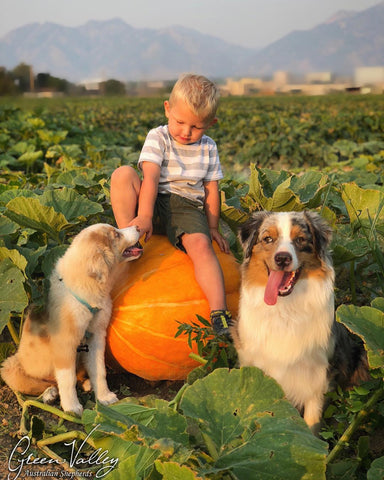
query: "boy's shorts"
175, 215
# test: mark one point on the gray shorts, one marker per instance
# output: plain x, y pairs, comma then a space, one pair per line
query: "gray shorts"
175, 215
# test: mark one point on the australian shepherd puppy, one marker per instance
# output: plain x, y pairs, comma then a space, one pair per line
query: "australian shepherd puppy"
286, 323
75, 320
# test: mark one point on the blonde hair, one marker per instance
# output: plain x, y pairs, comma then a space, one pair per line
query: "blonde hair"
200, 94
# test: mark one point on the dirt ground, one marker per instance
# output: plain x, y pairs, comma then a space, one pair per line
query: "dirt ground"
123, 384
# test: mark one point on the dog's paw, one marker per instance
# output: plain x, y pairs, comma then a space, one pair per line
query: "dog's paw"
107, 398
76, 409
50, 395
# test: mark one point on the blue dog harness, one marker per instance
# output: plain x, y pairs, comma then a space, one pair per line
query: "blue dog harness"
83, 347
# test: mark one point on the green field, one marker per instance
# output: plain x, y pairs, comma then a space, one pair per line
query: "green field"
284, 132
279, 154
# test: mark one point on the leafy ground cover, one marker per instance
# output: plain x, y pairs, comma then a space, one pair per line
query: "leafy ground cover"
287, 153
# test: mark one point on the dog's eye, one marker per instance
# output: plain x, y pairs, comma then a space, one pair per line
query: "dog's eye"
267, 239
300, 241
117, 234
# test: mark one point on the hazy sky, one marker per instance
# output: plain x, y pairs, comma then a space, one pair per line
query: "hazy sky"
253, 23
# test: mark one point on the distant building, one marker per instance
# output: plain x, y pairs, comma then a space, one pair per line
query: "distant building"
366, 80
313, 89
280, 79
314, 83
369, 76
318, 77
244, 86
92, 85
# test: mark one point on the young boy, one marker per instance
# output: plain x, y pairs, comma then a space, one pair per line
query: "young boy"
179, 193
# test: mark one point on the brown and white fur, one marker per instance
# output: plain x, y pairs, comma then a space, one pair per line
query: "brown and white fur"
78, 309
286, 323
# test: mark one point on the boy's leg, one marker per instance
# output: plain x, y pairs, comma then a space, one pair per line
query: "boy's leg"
181, 215
207, 268
125, 189
209, 276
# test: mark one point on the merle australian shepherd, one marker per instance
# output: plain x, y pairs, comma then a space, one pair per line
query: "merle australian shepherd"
286, 324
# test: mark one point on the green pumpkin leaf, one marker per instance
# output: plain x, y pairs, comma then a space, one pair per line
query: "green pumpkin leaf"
137, 435
32, 256
364, 206
12, 294
346, 148
308, 186
15, 256
50, 259
376, 472
378, 303
263, 184
351, 249
250, 429
284, 199
52, 137
7, 227
72, 205
10, 194
29, 212
30, 157
174, 471
367, 323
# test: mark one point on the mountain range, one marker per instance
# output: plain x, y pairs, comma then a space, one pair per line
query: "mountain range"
114, 49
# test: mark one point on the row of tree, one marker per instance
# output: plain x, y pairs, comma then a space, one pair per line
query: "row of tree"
21, 80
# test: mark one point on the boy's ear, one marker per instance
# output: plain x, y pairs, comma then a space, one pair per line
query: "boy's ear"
166, 108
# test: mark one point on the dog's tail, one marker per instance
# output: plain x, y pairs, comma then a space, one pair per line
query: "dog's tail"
14, 375
349, 365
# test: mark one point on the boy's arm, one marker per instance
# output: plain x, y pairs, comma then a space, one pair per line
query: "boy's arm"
212, 211
147, 198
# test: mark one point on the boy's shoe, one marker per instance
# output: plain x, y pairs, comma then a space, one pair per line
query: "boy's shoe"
221, 320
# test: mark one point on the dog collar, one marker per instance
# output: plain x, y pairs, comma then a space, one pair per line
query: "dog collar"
93, 310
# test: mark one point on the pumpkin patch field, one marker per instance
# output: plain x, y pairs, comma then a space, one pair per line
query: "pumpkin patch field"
209, 419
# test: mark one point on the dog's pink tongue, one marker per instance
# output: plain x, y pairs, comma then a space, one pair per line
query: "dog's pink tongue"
272, 289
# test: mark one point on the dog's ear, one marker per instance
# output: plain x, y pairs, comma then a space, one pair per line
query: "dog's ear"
321, 232
249, 231
98, 267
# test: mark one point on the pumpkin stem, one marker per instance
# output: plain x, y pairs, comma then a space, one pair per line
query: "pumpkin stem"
175, 403
198, 358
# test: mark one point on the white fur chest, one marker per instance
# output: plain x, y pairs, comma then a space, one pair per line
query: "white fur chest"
297, 325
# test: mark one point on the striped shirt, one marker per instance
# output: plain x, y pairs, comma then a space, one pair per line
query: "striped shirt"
184, 168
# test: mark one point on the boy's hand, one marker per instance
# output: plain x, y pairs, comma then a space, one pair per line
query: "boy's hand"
220, 240
144, 224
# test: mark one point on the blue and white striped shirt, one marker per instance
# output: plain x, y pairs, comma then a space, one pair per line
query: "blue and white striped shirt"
183, 168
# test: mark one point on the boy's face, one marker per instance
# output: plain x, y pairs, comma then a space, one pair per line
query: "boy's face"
183, 125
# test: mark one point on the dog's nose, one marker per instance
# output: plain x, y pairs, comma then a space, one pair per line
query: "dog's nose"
283, 259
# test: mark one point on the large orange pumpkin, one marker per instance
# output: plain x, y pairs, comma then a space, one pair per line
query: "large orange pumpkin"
158, 291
